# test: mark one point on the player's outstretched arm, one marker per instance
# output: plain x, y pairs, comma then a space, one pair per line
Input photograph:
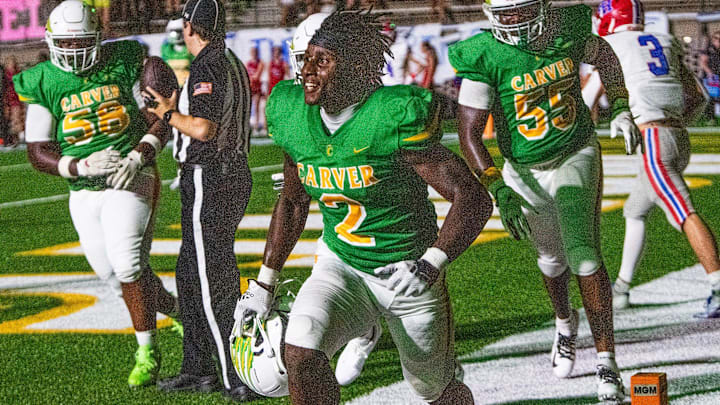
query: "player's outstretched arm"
694, 94
471, 205
286, 225
470, 129
600, 54
288, 218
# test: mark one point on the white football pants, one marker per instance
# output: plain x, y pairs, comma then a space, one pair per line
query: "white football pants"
114, 229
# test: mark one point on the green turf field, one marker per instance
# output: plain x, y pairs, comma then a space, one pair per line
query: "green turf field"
495, 287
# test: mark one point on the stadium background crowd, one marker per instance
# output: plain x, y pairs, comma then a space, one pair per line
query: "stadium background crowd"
696, 23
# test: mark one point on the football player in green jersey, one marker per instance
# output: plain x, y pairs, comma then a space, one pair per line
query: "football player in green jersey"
525, 72
366, 153
84, 123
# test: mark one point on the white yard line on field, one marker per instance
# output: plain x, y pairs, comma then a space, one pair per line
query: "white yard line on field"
656, 334
58, 197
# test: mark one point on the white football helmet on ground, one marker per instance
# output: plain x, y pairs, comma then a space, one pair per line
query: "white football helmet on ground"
303, 34
257, 349
73, 19
524, 32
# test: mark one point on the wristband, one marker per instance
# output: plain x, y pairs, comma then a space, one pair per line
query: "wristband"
152, 140
64, 167
619, 105
436, 257
490, 176
268, 276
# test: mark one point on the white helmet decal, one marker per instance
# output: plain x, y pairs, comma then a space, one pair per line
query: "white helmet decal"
72, 19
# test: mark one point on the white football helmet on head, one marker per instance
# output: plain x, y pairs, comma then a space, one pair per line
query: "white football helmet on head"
303, 34
532, 13
73, 20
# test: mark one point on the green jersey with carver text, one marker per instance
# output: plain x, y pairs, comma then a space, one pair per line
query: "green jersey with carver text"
538, 107
92, 111
375, 207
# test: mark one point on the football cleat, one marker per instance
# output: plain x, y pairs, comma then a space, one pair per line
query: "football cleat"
711, 307
621, 300
563, 350
147, 365
353, 357
177, 326
610, 385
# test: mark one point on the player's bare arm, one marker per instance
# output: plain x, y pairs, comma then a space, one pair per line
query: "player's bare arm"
286, 225
694, 94
600, 54
288, 219
471, 125
471, 204
45, 154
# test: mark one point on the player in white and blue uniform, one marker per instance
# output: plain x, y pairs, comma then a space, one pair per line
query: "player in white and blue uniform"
664, 97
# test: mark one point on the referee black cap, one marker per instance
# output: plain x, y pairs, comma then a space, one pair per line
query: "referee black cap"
208, 14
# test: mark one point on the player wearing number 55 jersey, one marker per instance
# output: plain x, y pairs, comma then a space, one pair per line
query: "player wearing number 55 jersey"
84, 123
526, 73
367, 153
664, 97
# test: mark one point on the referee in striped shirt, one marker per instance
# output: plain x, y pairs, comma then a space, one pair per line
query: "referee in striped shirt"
211, 145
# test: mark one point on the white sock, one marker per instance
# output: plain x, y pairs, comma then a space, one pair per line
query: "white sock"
620, 286
632, 248
607, 359
714, 279
146, 337
564, 325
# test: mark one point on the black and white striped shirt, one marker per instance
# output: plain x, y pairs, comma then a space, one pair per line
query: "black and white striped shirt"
217, 89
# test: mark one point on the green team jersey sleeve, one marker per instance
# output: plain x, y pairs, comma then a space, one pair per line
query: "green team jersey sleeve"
93, 111
538, 109
375, 207
420, 125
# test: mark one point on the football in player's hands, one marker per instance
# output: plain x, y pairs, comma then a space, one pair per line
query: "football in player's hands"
159, 76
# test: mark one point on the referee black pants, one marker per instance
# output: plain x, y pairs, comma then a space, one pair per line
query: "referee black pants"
213, 199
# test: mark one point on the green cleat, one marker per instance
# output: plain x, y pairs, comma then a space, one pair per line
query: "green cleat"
177, 326
147, 365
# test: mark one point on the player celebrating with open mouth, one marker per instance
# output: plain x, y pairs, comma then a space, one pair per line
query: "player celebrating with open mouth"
367, 153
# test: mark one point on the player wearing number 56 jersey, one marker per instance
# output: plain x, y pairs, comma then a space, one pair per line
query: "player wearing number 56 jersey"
84, 123
664, 97
526, 73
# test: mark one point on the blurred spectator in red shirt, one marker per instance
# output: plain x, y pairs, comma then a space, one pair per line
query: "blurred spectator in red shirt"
12, 107
278, 68
255, 67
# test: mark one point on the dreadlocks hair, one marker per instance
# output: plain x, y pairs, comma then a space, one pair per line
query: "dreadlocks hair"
356, 38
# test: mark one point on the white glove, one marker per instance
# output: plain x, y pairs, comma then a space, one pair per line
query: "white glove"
625, 123
100, 163
409, 277
127, 169
255, 301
